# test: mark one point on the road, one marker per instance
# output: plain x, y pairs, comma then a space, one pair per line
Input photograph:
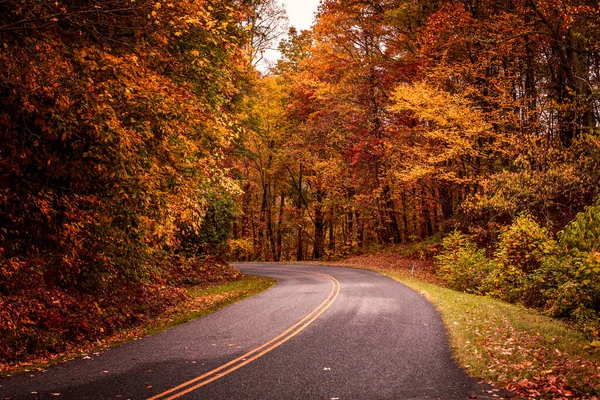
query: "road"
319, 333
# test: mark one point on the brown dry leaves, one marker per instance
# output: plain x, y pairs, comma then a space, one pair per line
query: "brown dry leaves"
391, 262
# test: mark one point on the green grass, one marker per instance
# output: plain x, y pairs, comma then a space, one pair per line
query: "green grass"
206, 300
202, 300
506, 345
514, 347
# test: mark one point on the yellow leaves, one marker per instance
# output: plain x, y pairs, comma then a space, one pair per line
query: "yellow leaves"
446, 129
210, 24
439, 110
191, 21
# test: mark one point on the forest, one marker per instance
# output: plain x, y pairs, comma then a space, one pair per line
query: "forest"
140, 146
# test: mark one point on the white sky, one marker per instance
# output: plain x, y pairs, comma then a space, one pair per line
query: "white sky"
301, 14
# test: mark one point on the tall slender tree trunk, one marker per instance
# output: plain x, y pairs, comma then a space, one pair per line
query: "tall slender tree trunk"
299, 243
279, 242
405, 227
360, 227
331, 231
262, 219
319, 220
270, 223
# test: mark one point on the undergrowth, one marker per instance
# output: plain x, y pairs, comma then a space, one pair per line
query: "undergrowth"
507, 345
195, 301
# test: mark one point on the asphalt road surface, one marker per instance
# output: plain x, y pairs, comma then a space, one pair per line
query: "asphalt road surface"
319, 333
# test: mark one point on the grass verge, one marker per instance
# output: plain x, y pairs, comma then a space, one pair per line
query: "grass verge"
506, 345
202, 300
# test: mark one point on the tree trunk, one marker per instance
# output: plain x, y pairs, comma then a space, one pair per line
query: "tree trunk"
319, 242
331, 232
280, 228
405, 228
299, 243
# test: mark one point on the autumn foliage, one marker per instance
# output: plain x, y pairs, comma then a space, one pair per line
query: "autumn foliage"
394, 121
114, 116
390, 121
137, 142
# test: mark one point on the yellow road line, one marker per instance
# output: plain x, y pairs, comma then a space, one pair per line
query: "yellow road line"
263, 349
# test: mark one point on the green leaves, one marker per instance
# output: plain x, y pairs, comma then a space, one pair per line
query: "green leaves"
582, 235
462, 266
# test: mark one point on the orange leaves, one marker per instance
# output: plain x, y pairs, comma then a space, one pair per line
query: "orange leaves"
450, 27
112, 141
549, 386
448, 128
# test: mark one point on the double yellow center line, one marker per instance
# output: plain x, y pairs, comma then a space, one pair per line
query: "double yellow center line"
261, 350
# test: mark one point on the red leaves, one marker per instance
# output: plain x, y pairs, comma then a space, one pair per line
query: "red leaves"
450, 26
43, 321
550, 385
111, 136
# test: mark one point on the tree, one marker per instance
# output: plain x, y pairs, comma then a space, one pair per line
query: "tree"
266, 22
114, 120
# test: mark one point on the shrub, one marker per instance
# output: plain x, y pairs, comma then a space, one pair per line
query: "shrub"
580, 297
422, 250
582, 235
240, 249
578, 301
525, 244
536, 289
214, 231
505, 283
462, 265
528, 267
539, 289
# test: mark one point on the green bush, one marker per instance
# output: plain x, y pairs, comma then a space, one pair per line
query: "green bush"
504, 283
525, 244
214, 231
577, 301
422, 250
537, 289
560, 278
582, 235
540, 288
581, 241
580, 297
462, 265
528, 268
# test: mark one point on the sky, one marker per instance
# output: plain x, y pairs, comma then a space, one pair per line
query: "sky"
301, 15
301, 12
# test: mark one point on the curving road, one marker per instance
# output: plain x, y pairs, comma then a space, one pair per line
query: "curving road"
319, 333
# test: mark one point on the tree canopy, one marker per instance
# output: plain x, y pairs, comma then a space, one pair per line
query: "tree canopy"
138, 142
